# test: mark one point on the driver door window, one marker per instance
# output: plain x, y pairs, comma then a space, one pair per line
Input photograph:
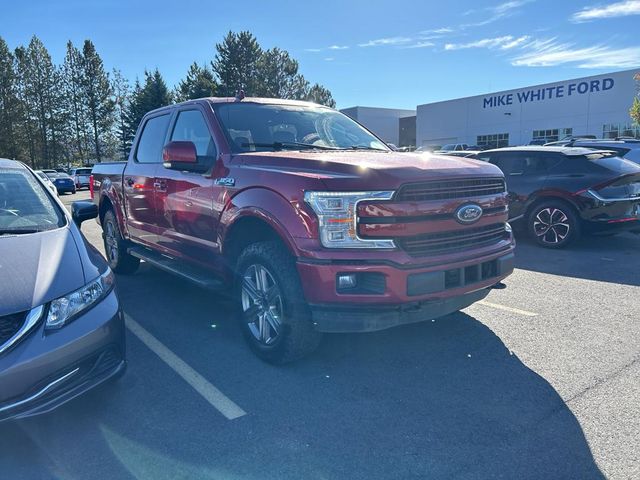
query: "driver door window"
191, 127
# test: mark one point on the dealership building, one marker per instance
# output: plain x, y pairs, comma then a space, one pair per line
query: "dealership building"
597, 105
390, 124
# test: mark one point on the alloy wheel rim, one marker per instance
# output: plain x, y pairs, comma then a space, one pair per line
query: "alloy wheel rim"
551, 226
262, 304
111, 242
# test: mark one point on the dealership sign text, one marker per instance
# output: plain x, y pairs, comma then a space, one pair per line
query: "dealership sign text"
548, 93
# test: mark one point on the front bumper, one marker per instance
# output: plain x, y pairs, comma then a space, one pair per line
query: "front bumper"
66, 188
408, 294
48, 369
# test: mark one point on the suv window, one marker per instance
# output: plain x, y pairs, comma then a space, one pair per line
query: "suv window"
523, 163
191, 126
152, 140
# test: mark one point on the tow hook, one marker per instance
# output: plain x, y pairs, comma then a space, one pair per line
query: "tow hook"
497, 286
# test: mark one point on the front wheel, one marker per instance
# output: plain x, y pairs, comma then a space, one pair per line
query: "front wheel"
274, 316
553, 224
115, 247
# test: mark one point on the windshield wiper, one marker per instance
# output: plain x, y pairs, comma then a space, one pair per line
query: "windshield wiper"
281, 145
364, 147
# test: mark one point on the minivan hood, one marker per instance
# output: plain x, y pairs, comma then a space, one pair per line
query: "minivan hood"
37, 268
367, 170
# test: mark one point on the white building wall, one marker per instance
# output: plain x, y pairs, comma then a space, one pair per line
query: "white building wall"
384, 122
462, 120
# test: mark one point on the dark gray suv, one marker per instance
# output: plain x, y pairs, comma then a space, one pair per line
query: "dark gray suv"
61, 325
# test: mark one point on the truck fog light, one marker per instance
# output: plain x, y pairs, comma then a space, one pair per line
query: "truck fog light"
346, 281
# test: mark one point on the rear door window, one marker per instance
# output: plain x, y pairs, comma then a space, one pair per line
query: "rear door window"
152, 140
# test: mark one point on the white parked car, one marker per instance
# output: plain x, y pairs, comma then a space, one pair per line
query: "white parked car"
80, 177
47, 181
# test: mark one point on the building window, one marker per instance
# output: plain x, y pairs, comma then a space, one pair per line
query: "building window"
551, 135
614, 130
496, 140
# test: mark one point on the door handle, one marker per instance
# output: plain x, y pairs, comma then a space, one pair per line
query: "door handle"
130, 181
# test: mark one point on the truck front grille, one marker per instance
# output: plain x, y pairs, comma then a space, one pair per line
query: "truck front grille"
455, 241
450, 189
9, 326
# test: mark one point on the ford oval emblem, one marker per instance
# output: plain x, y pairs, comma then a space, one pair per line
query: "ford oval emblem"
468, 213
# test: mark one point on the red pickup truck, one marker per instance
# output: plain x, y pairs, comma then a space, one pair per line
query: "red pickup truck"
311, 220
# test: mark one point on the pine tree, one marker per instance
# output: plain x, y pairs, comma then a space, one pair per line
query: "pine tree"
39, 89
75, 103
98, 95
121, 98
236, 64
279, 77
154, 94
319, 94
9, 105
200, 82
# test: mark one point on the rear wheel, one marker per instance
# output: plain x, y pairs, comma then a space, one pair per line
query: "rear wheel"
553, 224
115, 247
274, 316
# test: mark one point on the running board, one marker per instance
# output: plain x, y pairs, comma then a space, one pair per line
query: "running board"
200, 277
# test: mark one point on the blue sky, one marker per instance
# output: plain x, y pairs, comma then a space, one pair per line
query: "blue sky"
386, 53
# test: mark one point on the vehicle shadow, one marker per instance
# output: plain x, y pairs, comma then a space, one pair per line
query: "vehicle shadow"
614, 259
443, 399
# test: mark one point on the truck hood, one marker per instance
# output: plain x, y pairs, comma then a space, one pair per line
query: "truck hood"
37, 268
367, 170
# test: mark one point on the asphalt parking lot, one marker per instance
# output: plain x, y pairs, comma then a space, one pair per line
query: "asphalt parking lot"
542, 380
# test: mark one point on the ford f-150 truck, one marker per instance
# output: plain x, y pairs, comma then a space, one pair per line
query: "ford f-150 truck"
311, 221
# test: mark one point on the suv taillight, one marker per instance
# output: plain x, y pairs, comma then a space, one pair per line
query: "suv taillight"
91, 186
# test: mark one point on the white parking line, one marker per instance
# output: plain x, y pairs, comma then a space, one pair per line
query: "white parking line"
210, 393
506, 309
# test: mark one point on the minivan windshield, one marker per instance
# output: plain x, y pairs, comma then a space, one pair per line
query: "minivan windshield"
25, 206
253, 127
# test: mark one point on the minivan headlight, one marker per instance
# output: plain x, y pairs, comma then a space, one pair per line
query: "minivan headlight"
64, 309
337, 217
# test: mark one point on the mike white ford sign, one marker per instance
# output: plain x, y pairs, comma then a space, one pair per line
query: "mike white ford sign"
547, 93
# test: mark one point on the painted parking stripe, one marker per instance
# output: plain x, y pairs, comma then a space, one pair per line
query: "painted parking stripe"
506, 309
210, 393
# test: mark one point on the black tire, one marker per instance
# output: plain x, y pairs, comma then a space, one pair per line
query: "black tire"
295, 336
553, 224
115, 247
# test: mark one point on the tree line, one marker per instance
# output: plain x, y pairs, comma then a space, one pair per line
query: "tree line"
80, 113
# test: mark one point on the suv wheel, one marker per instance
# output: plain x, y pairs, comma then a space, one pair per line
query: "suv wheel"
115, 247
275, 319
553, 224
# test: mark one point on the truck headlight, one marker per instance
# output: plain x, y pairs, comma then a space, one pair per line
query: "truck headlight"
337, 216
64, 309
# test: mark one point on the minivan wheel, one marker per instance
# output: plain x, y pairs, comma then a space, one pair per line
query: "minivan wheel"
115, 247
553, 224
274, 317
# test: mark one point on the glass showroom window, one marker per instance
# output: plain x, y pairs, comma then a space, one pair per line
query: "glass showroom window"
496, 140
613, 130
552, 135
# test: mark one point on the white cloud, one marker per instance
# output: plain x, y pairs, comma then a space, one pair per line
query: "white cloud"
437, 31
550, 53
618, 9
419, 45
338, 47
484, 43
329, 59
505, 7
497, 12
516, 42
313, 50
380, 42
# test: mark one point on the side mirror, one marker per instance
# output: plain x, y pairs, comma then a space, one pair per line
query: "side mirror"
182, 155
83, 210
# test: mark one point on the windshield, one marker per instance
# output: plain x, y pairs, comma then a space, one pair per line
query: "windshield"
257, 127
25, 206
83, 171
